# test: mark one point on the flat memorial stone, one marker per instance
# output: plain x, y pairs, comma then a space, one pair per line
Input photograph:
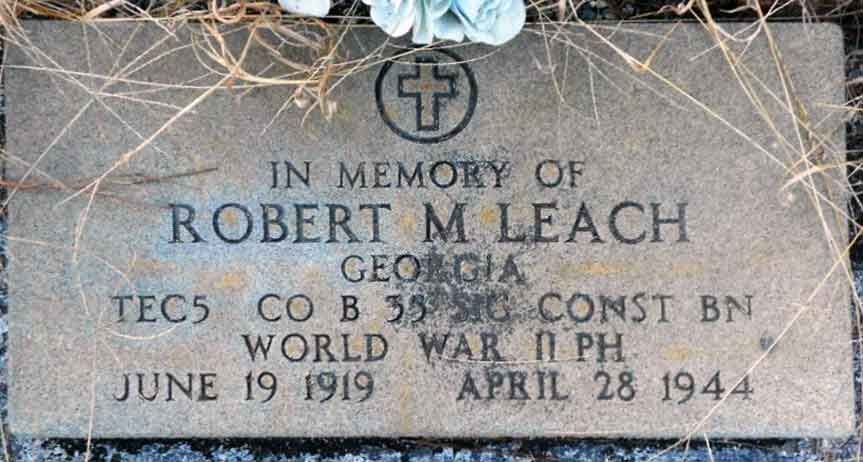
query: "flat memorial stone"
535, 240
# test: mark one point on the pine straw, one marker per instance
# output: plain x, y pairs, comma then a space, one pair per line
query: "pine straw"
311, 80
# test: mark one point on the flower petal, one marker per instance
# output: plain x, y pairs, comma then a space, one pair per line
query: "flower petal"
316, 8
448, 27
438, 8
509, 23
423, 24
468, 10
506, 25
394, 21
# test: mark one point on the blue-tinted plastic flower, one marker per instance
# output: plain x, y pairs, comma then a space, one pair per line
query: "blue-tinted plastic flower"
427, 18
490, 21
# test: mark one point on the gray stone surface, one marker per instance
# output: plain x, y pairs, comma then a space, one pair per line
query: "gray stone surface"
640, 142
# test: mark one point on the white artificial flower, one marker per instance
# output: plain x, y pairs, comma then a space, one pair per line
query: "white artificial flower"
429, 19
317, 8
490, 21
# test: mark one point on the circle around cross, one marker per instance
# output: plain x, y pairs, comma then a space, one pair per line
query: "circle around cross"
427, 96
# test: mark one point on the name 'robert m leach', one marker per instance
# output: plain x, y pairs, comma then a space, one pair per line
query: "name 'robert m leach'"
626, 222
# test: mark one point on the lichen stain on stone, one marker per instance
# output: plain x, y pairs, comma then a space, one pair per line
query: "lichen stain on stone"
488, 215
687, 269
593, 268
760, 254
581, 308
375, 325
525, 347
146, 265
229, 281
351, 266
677, 353
232, 281
407, 224
600, 268
358, 343
313, 275
473, 341
405, 393
293, 348
230, 215
313, 281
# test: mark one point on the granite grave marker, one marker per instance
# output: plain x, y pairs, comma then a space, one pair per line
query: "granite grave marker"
536, 240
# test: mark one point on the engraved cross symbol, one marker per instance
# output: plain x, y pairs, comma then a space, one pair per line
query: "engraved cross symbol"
428, 86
